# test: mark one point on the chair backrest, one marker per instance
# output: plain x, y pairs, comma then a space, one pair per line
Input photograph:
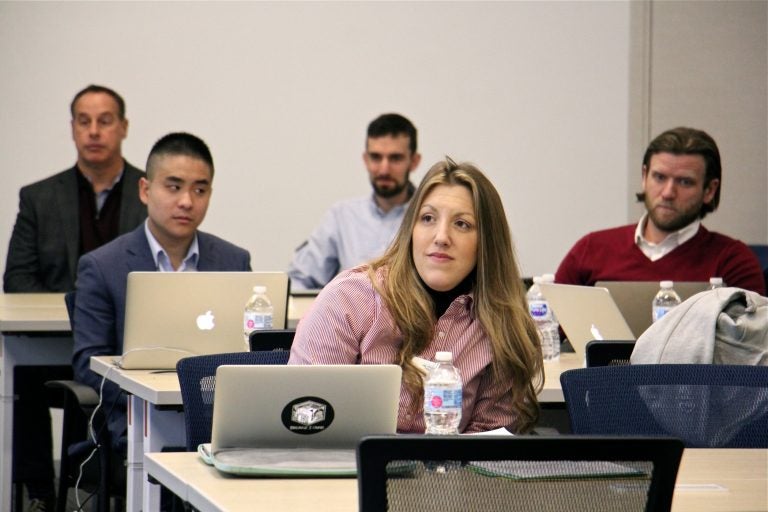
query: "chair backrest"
506, 473
69, 303
272, 339
710, 406
761, 251
609, 353
197, 377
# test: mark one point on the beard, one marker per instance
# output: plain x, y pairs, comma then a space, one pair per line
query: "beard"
391, 188
675, 223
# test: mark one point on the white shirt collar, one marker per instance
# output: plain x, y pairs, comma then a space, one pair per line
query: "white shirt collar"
163, 262
674, 240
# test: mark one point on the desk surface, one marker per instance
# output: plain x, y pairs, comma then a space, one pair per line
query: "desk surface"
33, 312
46, 312
162, 387
742, 475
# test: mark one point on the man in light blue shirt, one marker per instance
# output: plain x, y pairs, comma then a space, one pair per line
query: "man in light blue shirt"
357, 230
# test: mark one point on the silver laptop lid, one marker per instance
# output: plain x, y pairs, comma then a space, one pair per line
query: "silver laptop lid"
586, 313
170, 315
303, 406
634, 299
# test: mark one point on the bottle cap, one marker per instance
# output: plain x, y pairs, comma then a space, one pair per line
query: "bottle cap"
444, 357
715, 280
548, 278
537, 279
259, 289
666, 284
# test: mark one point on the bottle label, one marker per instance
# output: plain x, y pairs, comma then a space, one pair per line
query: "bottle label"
660, 311
256, 321
441, 398
539, 310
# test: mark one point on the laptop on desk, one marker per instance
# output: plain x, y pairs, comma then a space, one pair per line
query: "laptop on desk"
299, 420
634, 299
586, 313
171, 315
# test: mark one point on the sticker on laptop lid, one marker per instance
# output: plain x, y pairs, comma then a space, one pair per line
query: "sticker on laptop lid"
307, 415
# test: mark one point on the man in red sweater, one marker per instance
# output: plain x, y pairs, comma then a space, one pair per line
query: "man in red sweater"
681, 184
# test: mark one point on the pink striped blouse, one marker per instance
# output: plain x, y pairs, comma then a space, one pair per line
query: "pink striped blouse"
349, 324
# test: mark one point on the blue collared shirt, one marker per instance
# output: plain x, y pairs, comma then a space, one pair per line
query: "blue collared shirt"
351, 232
163, 262
101, 197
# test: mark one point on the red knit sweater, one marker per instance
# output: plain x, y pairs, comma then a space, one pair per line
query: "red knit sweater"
612, 255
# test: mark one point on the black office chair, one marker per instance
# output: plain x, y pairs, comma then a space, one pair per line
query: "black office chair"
520, 473
104, 475
707, 405
29, 384
197, 378
609, 352
271, 339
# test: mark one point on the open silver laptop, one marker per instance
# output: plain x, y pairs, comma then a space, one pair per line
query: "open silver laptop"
299, 420
586, 313
170, 315
634, 299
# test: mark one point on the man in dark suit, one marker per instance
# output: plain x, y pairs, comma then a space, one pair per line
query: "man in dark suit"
59, 219
72, 212
177, 191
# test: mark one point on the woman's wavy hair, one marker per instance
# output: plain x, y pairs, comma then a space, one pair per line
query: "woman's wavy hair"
499, 295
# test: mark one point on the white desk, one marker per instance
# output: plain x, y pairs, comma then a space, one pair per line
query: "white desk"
552, 392
742, 473
35, 331
155, 419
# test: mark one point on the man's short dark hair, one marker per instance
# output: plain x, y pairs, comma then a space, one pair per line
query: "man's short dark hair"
179, 144
689, 141
393, 125
96, 89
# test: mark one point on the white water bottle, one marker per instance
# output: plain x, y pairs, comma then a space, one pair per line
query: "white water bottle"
543, 317
666, 299
258, 313
442, 396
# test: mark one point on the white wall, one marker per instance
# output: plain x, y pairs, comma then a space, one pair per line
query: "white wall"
538, 94
710, 70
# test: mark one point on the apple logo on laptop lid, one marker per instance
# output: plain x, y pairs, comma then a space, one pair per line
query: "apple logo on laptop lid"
205, 322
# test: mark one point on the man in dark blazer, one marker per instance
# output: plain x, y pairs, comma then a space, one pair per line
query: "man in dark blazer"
77, 210
59, 219
177, 191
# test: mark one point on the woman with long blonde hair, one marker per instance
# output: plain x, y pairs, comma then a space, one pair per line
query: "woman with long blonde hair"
448, 282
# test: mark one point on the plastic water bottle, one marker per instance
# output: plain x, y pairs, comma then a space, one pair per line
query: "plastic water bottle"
258, 313
715, 282
442, 396
546, 323
665, 299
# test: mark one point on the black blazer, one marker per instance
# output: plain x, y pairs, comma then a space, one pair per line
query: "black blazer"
43, 252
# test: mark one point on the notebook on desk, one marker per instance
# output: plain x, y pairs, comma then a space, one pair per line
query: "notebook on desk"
299, 420
586, 313
634, 299
170, 315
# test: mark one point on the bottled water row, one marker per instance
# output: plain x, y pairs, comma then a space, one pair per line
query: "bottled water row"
544, 318
667, 298
257, 315
549, 328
